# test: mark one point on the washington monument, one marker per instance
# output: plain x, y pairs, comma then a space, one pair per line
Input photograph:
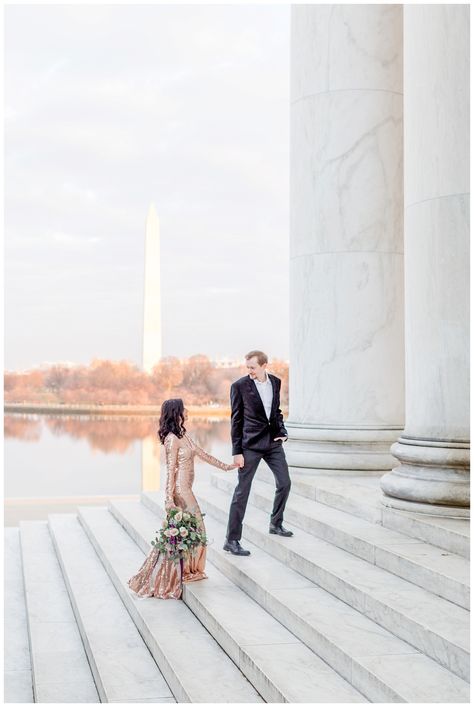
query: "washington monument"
152, 293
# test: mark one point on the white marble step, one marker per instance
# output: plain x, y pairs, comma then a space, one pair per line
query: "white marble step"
367, 655
61, 672
361, 496
452, 534
18, 681
347, 492
431, 624
194, 665
278, 664
383, 667
428, 566
122, 666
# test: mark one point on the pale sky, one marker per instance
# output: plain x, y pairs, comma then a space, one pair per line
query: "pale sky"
109, 108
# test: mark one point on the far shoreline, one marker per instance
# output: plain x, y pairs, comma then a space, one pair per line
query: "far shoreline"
217, 411
97, 409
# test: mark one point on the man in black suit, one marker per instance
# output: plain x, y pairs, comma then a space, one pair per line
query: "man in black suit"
258, 432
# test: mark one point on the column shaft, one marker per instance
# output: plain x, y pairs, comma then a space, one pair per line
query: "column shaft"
346, 253
433, 449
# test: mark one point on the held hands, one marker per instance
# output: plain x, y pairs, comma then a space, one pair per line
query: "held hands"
235, 465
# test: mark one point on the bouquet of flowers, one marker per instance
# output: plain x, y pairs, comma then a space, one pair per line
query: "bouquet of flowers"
180, 534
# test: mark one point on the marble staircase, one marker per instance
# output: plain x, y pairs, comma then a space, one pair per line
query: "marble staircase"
359, 495
17, 661
441, 572
282, 667
363, 604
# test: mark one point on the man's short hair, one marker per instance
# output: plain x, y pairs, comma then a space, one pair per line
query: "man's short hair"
259, 355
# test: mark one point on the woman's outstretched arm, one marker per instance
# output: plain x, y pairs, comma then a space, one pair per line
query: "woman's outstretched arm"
212, 460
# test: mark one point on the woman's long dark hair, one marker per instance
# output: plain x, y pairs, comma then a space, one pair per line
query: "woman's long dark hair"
172, 419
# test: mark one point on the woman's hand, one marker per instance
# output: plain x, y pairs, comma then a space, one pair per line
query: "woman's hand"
171, 507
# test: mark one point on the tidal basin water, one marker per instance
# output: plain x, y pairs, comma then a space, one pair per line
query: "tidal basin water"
53, 463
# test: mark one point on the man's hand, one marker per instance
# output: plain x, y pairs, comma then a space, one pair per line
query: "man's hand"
283, 439
239, 460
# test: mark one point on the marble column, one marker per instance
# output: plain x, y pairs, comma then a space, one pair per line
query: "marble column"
433, 450
346, 237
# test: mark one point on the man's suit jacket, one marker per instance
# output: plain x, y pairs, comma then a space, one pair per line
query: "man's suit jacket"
250, 427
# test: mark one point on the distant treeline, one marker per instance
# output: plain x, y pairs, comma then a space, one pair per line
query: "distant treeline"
196, 379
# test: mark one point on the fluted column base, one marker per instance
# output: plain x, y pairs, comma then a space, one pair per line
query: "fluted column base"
313, 447
433, 477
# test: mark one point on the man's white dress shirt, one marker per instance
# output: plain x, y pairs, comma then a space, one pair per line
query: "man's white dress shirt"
265, 390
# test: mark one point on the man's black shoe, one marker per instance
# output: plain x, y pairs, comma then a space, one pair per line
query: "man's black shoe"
280, 530
234, 547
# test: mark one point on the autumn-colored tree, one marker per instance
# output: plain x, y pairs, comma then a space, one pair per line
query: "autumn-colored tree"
55, 380
220, 381
196, 370
197, 380
10, 381
78, 378
167, 375
102, 375
196, 374
280, 368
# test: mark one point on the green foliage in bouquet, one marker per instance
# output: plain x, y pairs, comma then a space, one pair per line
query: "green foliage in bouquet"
180, 535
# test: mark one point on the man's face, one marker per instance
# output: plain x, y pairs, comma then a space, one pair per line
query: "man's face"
255, 370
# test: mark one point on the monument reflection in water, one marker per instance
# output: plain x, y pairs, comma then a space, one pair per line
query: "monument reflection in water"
53, 463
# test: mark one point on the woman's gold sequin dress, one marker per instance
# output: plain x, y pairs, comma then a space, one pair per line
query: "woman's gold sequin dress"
158, 576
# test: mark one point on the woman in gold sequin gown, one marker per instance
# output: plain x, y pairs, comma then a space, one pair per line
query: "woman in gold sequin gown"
158, 576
